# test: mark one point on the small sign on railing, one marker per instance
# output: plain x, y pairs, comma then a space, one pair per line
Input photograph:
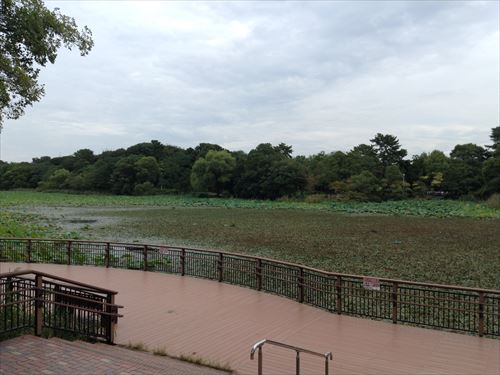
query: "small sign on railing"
371, 283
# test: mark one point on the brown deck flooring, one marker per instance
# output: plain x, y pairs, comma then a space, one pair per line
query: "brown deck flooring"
221, 322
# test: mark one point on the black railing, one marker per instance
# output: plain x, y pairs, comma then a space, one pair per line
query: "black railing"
455, 308
34, 302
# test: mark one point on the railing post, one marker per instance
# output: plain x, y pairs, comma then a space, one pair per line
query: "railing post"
29, 252
394, 297
338, 289
68, 252
110, 335
183, 262
481, 314
327, 370
106, 256
300, 285
259, 361
38, 305
145, 266
220, 269
10, 290
258, 274
297, 363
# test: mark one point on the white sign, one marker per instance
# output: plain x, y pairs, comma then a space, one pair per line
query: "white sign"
371, 283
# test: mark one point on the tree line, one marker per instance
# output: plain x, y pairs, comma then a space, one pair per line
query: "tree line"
375, 171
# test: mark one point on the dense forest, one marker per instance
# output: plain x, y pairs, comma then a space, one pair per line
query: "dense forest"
379, 170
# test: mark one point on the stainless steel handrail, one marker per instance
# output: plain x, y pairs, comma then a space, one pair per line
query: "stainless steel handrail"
258, 346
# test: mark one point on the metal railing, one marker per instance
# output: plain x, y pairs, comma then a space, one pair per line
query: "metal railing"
258, 347
32, 301
455, 308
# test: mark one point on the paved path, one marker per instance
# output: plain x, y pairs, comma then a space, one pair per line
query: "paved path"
221, 322
30, 355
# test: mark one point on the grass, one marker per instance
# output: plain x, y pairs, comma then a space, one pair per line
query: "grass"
197, 360
425, 208
191, 358
137, 346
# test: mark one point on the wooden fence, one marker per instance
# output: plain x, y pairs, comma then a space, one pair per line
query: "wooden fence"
470, 310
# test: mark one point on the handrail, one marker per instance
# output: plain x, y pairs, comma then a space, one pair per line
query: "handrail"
456, 308
258, 346
280, 262
37, 301
58, 278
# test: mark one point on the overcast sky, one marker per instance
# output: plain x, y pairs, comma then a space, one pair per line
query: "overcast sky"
319, 76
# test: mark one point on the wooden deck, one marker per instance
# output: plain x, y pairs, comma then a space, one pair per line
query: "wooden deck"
221, 322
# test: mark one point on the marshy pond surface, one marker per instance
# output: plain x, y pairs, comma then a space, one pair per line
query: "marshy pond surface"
460, 251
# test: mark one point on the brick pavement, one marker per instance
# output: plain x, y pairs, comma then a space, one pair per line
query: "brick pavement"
26, 355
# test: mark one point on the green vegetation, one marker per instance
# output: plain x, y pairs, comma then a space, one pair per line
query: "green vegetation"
414, 207
30, 37
138, 346
197, 360
191, 358
459, 251
14, 224
442, 241
373, 172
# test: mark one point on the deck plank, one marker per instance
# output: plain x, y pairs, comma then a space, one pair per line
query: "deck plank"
186, 315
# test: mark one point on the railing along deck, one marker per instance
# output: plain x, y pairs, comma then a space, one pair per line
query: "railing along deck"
461, 309
31, 301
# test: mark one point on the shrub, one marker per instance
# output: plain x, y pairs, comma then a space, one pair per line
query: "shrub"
494, 201
146, 188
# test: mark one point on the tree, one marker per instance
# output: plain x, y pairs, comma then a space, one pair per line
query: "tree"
213, 172
124, 175
175, 169
491, 167
30, 37
363, 158
323, 169
469, 153
268, 173
364, 187
495, 137
58, 180
388, 149
147, 170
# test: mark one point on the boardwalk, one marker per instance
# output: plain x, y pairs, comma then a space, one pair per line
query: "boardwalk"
218, 321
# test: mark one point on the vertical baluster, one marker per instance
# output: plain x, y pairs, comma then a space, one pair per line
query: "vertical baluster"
259, 366
38, 305
338, 288
258, 274
394, 296
111, 320
29, 252
106, 254
481, 314
68, 252
183, 262
297, 363
300, 285
145, 256
220, 269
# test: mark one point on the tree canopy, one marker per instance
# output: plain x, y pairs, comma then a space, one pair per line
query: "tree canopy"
371, 172
30, 37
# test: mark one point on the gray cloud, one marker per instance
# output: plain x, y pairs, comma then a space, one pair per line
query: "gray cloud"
319, 76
